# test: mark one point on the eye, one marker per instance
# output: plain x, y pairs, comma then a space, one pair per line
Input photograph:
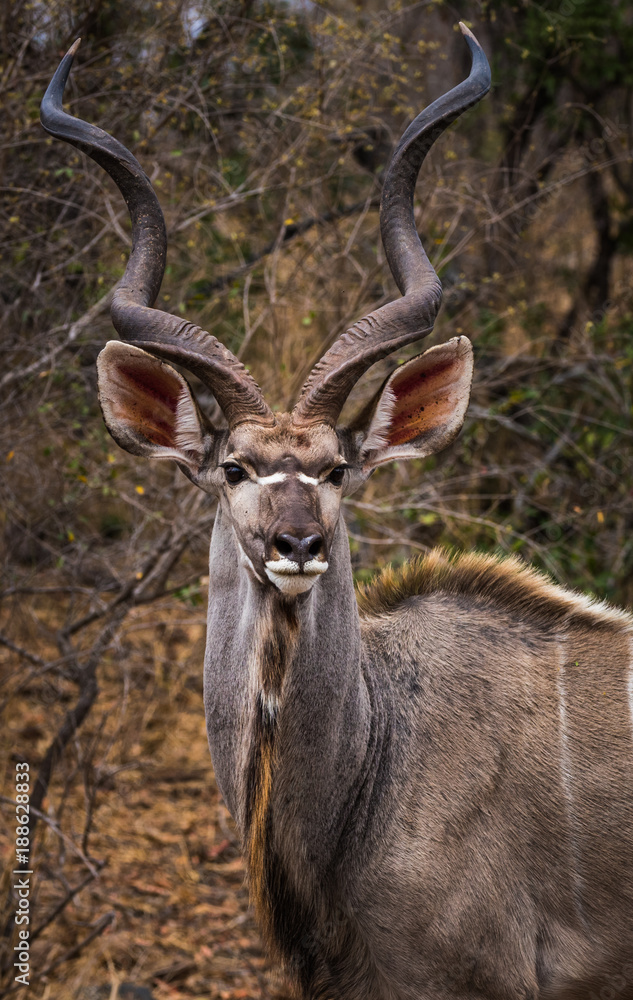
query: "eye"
234, 474
337, 475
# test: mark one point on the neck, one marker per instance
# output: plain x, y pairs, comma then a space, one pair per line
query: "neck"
288, 711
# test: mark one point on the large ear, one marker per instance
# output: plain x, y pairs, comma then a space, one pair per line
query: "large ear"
422, 405
148, 407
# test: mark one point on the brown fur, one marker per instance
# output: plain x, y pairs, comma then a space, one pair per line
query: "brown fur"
276, 644
267, 449
260, 786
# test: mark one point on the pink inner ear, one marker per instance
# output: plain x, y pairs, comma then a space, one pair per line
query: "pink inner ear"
146, 399
424, 397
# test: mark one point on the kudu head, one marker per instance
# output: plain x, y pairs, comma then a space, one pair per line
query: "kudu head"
279, 477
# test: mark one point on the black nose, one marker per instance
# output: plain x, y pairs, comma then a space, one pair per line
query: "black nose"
299, 550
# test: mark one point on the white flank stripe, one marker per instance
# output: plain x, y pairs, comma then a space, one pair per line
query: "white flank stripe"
564, 739
566, 776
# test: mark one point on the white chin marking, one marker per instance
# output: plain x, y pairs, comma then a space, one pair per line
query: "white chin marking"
286, 576
291, 584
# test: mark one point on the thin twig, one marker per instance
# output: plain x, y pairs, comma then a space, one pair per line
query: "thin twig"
31, 657
70, 895
74, 330
288, 233
73, 952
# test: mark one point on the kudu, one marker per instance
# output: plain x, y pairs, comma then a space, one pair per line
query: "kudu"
433, 780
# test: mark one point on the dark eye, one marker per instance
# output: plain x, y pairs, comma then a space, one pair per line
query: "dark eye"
234, 474
337, 475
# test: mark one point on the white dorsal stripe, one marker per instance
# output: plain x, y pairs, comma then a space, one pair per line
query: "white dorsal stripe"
276, 477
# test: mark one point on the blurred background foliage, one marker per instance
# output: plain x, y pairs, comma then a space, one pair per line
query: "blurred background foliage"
265, 128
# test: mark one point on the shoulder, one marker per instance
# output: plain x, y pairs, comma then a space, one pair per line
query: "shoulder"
506, 584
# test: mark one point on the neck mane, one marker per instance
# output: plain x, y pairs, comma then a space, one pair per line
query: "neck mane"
291, 722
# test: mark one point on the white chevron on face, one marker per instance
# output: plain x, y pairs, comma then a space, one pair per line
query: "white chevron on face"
275, 477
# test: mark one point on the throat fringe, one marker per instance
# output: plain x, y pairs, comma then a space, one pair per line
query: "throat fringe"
275, 648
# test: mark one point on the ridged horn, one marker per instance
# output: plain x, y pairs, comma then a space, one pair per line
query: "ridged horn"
398, 323
158, 332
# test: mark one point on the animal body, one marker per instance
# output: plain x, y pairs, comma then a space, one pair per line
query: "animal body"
434, 780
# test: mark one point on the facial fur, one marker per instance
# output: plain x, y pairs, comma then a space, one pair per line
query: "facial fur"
284, 501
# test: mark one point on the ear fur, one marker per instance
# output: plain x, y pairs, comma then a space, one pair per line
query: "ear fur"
148, 406
422, 405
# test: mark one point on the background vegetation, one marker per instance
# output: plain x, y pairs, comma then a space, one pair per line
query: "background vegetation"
266, 127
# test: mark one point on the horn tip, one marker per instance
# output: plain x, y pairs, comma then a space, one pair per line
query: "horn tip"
480, 70
51, 106
468, 35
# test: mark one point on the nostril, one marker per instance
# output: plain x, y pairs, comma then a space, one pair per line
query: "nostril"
297, 549
315, 548
284, 546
